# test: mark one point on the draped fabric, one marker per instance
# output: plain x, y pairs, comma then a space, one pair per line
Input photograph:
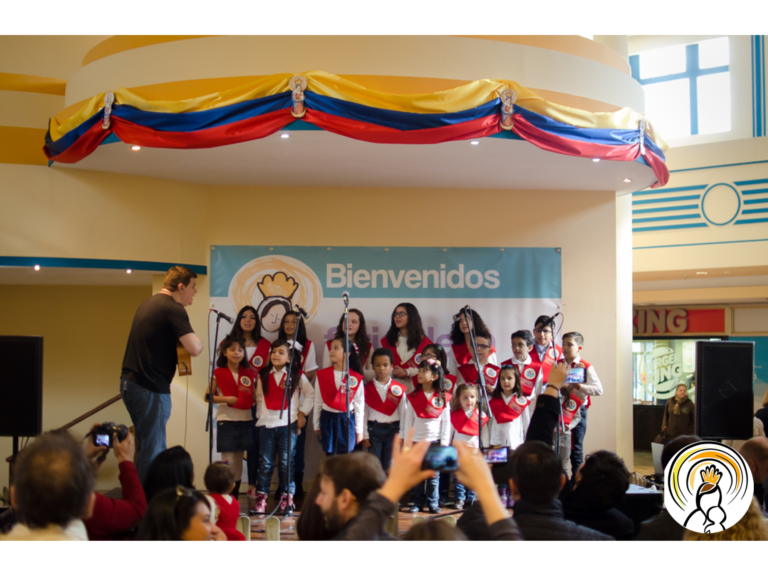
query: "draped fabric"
261, 108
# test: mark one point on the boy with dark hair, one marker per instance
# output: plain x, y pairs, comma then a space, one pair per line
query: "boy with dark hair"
530, 373
385, 407
52, 490
545, 353
576, 403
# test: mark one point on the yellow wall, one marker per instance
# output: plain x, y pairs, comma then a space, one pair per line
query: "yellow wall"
84, 330
56, 212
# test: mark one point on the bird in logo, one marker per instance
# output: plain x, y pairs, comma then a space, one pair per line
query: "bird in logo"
708, 515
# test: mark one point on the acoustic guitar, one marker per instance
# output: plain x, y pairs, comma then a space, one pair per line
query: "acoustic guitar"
184, 360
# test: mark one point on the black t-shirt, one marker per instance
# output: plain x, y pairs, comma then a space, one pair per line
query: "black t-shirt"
150, 356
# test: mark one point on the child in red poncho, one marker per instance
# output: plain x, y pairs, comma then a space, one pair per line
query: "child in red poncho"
220, 481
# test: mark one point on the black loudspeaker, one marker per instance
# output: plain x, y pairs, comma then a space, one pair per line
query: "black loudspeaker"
21, 385
724, 394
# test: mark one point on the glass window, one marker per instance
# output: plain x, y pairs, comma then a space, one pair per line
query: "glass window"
668, 105
663, 61
713, 53
714, 91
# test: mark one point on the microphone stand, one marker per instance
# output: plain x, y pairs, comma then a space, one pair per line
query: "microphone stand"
483, 393
209, 419
346, 367
288, 395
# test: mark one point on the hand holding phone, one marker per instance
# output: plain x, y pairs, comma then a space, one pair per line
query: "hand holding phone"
441, 459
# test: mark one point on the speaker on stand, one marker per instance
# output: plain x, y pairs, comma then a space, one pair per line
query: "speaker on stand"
724, 390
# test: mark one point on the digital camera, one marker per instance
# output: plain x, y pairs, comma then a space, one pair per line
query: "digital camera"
103, 434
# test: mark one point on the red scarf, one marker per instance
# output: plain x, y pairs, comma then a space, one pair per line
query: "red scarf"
389, 405
334, 397
424, 407
465, 425
463, 355
242, 389
471, 376
570, 407
504, 412
528, 374
549, 360
274, 392
261, 355
448, 393
413, 361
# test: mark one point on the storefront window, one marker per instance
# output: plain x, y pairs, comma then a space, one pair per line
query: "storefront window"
660, 365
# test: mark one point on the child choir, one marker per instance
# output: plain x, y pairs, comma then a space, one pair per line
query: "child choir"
409, 382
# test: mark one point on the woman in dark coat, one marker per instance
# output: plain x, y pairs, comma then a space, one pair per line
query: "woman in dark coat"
678, 415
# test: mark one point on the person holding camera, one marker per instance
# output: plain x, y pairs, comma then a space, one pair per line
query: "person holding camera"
113, 515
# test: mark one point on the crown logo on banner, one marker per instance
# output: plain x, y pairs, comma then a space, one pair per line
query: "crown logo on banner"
278, 284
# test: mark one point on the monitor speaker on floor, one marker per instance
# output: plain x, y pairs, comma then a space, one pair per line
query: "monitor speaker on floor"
21, 385
724, 389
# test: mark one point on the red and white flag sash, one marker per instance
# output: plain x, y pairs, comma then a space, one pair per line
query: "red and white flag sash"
464, 425
261, 355
242, 389
388, 406
334, 397
424, 407
504, 412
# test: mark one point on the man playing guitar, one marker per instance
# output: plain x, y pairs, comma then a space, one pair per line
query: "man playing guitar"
149, 364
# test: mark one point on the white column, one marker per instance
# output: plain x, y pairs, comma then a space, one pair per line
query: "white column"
616, 42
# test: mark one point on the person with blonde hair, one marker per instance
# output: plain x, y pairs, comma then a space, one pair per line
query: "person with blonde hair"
751, 527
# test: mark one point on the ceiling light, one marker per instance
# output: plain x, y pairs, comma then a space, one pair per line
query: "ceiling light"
627, 179
37, 266
135, 148
595, 159
474, 142
700, 272
284, 136
128, 271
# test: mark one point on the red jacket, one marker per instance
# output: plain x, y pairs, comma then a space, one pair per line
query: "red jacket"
112, 515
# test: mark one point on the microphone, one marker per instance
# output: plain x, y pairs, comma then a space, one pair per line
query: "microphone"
222, 315
301, 311
345, 296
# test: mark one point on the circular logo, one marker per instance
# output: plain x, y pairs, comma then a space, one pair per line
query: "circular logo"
258, 361
436, 402
352, 381
417, 358
570, 405
551, 352
245, 381
490, 372
397, 391
720, 204
529, 373
521, 400
709, 487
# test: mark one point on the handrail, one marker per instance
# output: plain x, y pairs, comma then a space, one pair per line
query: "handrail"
79, 419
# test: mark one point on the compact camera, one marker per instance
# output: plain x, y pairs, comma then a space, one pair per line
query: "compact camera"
103, 434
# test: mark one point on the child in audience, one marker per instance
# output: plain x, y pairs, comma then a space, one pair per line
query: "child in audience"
385, 406
233, 384
509, 409
220, 481
575, 407
466, 428
357, 335
278, 434
427, 415
467, 373
406, 339
461, 344
330, 418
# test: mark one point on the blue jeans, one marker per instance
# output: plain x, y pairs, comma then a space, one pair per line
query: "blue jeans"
381, 436
149, 412
461, 493
420, 496
274, 446
577, 442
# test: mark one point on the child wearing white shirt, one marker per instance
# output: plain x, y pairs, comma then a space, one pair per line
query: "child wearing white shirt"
385, 407
466, 428
427, 415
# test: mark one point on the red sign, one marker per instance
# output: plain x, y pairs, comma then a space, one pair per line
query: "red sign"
678, 321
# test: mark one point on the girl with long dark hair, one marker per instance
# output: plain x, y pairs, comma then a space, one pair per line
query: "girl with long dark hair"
358, 335
461, 345
406, 340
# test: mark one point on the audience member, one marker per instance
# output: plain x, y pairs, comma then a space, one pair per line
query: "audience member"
311, 522
220, 482
52, 490
171, 468
345, 483
755, 452
179, 514
678, 415
434, 530
600, 485
663, 526
762, 413
751, 527
114, 515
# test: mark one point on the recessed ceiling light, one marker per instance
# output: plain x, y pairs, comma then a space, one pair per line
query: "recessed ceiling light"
135, 148
128, 271
285, 136
474, 142
700, 272
37, 266
627, 179
595, 159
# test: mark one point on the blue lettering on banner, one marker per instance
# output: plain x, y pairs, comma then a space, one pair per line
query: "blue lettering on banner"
408, 272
